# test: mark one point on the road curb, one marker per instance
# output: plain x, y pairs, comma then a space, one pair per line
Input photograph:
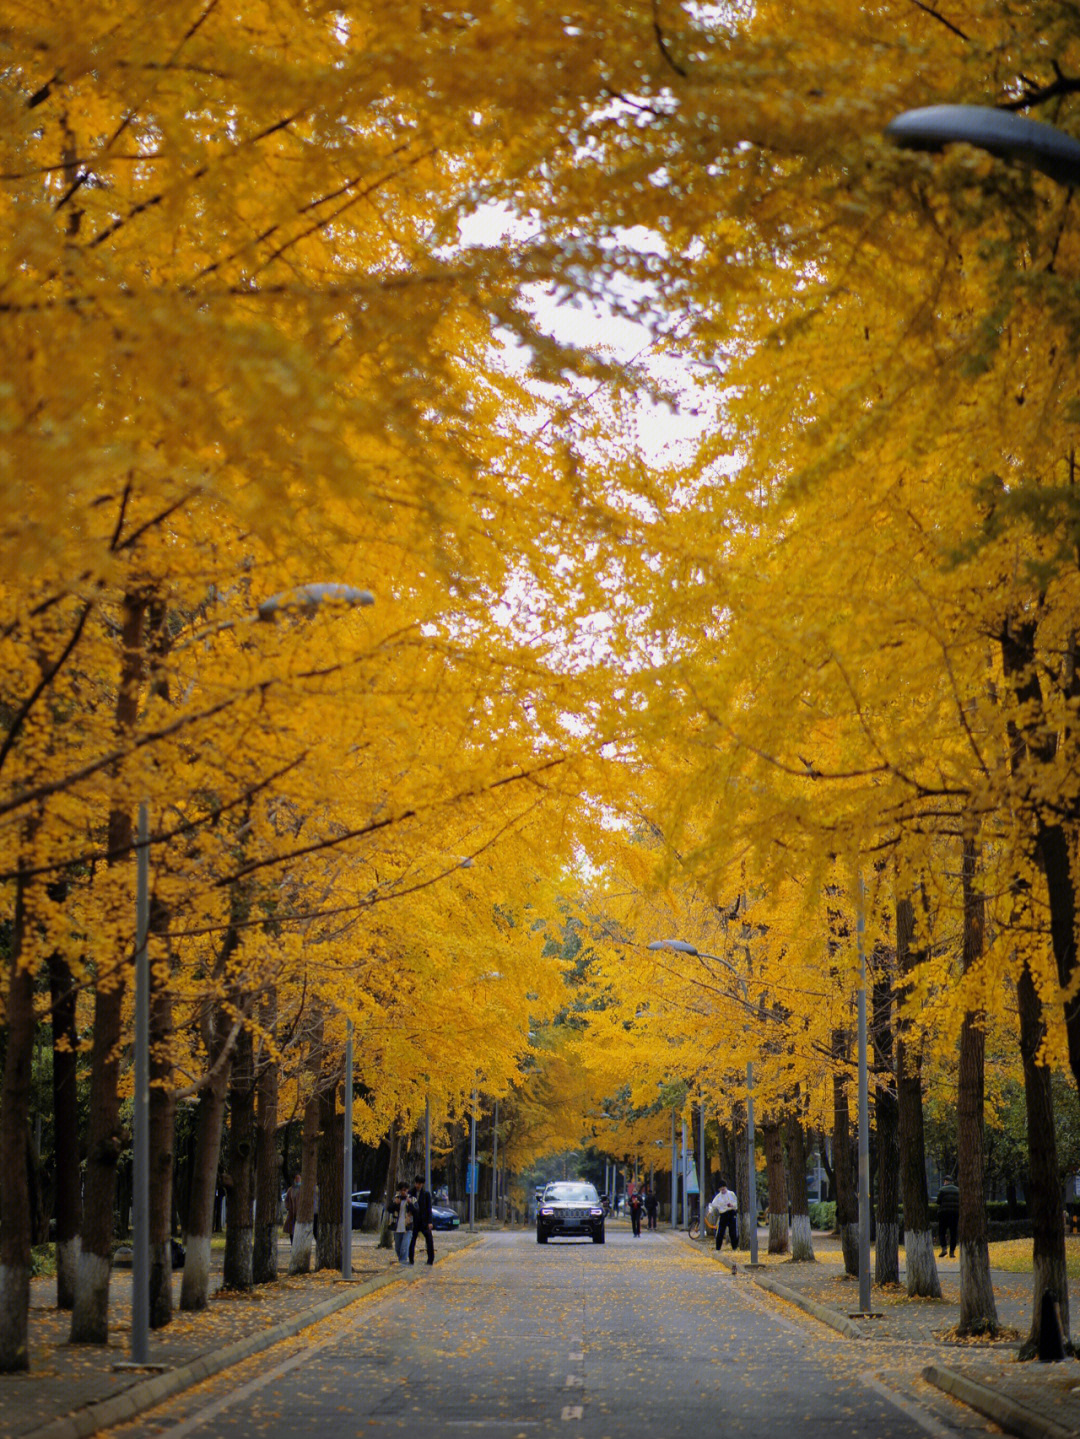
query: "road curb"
832, 1317
1011, 1415
148, 1393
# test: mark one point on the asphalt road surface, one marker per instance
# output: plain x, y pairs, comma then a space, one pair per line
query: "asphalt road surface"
510, 1339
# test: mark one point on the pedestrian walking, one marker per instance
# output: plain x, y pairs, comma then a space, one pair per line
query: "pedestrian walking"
292, 1205
401, 1222
421, 1221
725, 1206
652, 1206
636, 1206
948, 1217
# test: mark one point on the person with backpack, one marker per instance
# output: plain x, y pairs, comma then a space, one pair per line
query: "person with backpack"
636, 1206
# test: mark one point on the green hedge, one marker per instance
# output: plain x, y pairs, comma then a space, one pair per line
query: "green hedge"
823, 1216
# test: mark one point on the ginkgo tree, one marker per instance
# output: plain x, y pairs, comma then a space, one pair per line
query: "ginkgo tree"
249, 345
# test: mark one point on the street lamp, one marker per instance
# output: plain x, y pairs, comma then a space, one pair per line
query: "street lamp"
680, 946
303, 600
347, 1160
472, 1169
999, 132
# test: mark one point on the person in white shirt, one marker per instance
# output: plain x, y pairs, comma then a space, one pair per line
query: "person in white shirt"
726, 1206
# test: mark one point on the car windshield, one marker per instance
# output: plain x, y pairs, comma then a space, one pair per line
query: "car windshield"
577, 1193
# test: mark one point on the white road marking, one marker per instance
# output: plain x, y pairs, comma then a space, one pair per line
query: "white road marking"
203, 1416
573, 1411
577, 1357
574, 1381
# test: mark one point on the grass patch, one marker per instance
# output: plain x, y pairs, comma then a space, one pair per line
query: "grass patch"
1014, 1256
43, 1260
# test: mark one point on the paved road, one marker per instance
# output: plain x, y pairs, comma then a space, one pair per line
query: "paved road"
510, 1340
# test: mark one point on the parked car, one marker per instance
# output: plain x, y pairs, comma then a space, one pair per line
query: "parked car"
572, 1207
444, 1218
360, 1201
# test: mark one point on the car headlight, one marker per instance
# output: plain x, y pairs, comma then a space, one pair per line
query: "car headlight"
547, 1211
597, 1213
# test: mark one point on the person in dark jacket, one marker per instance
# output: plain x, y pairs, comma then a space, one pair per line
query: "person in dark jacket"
636, 1206
948, 1211
421, 1213
652, 1204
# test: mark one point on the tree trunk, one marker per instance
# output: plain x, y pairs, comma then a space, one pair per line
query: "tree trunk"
847, 1197
887, 1240
162, 1127
826, 1164
14, 1117
1044, 1190
68, 1207
802, 1243
725, 1158
1034, 743
978, 1312
921, 1267
90, 1312
267, 1183
209, 1118
331, 1170
774, 1163
300, 1259
239, 1181
385, 1241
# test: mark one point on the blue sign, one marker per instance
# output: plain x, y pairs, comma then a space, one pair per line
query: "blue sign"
470, 1179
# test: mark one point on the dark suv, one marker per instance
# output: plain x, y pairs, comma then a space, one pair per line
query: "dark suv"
572, 1207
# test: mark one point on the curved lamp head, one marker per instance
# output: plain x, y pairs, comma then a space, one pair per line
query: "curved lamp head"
999, 132
306, 599
679, 946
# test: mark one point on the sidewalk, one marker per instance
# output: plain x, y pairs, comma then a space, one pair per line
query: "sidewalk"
1038, 1401
72, 1391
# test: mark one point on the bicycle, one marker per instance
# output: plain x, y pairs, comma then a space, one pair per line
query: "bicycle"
694, 1227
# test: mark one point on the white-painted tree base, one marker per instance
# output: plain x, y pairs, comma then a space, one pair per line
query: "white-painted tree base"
90, 1314
195, 1288
300, 1260
978, 1309
67, 1271
802, 1243
922, 1274
778, 1233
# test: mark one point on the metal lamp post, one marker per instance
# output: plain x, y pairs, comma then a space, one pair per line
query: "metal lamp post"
864, 1117
674, 1177
347, 1160
427, 1142
472, 1169
495, 1162
680, 946
1009, 137
684, 1180
702, 1201
140, 1255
